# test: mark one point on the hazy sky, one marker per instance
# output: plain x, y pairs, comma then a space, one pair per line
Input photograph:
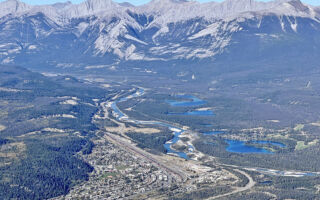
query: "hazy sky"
136, 2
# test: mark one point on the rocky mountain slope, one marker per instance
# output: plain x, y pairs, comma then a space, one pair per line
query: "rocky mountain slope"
108, 32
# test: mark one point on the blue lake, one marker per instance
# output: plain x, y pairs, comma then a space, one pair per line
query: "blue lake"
236, 146
195, 113
233, 145
193, 101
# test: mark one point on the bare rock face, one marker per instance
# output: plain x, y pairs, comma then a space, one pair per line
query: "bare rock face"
159, 30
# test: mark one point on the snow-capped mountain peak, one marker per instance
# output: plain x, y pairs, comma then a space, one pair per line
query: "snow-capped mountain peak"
168, 10
161, 29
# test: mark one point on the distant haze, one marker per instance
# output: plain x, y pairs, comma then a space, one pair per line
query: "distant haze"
139, 2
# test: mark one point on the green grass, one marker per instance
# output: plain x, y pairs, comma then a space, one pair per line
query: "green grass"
298, 127
302, 145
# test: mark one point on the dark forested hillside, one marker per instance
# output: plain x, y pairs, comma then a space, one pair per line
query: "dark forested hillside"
41, 121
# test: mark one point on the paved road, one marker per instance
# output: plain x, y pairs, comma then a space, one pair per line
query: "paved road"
250, 184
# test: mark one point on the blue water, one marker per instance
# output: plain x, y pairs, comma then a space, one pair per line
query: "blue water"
265, 182
236, 146
176, 138
194, 101
233, 145
136, 94
168, 145
115, 107
195, 113
117, 110
310, 174
207, 125
213, 133
270, 142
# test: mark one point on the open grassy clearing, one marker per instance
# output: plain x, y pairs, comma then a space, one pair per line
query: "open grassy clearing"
2, 127
303, 145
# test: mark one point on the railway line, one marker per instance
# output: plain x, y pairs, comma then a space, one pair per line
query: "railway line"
180, 177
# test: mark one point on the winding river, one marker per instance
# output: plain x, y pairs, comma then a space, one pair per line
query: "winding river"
124, 118
234, 145
178, 131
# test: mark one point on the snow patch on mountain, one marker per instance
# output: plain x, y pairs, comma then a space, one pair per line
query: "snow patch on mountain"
161, 29
81, 28
129, 37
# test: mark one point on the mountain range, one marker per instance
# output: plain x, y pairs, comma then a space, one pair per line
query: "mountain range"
102, 31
